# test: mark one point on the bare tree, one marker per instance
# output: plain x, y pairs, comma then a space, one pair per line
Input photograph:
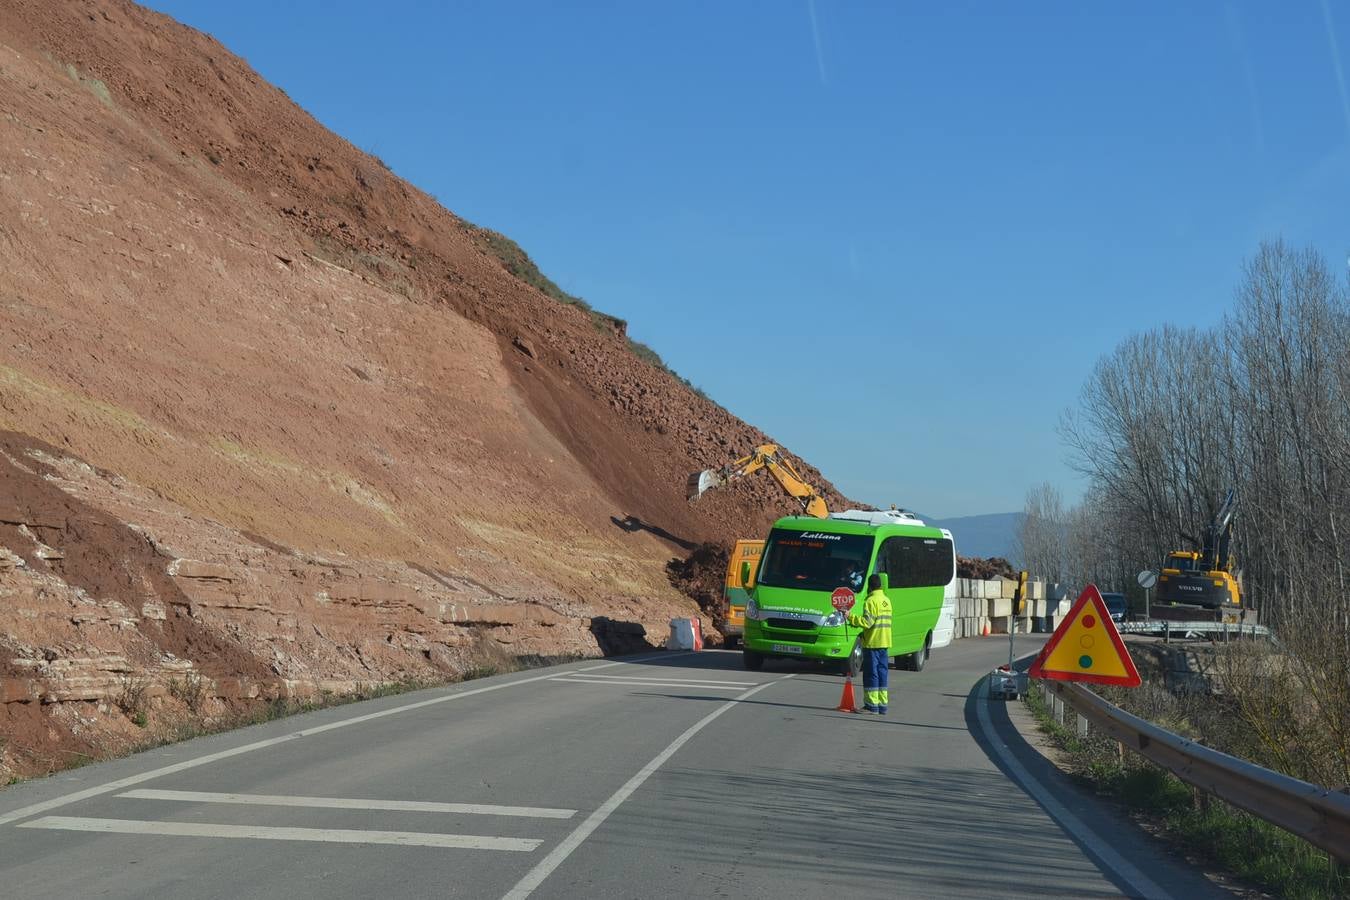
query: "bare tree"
1172, 418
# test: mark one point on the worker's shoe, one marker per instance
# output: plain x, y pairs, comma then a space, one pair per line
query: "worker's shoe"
869, 708
881, 710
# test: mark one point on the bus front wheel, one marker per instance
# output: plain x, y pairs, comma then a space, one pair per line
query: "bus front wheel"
916, 660
853, 666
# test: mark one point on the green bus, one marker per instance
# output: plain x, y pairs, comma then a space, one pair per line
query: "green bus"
809, 563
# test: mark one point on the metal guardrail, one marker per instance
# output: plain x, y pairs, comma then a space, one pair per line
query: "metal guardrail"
1318, 815
1180, 629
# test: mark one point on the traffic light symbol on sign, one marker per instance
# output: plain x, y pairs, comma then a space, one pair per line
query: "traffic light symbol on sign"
1087, 647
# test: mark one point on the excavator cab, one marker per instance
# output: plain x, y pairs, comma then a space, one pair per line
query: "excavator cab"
1181, 561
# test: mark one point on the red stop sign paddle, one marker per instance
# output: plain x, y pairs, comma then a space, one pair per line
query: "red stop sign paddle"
842, 599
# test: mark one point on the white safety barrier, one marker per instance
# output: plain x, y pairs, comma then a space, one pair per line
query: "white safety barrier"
685, 634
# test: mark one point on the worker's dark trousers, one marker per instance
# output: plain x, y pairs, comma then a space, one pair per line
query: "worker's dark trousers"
876, 678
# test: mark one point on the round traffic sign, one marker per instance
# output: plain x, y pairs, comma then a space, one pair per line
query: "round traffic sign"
842, 599
1147, 579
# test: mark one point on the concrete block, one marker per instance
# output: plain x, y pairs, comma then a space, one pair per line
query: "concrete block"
1000, 624
1007, 588
1037, 589
1056, 591
999, 607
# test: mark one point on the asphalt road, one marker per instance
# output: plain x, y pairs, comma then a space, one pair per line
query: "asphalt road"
661, 776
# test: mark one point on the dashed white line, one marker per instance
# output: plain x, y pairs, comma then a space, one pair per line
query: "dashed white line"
559, 854
272, 833
477, 809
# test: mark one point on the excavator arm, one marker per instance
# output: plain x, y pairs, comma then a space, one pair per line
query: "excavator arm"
765, 456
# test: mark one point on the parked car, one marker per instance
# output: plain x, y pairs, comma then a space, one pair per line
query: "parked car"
1116, 606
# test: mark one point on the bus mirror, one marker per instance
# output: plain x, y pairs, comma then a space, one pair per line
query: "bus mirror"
885, 581
745, 574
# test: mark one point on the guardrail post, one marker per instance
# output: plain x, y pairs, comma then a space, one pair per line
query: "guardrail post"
1082, 727
1167, 632
1057, 705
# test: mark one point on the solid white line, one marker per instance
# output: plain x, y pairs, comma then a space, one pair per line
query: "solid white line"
477, 809
743, 684
545, 867
1141, 885
679, 684
34, 809
652, 684
273, 833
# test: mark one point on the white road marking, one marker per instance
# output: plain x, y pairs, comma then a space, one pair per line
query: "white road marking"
743, 684
36, 808
712, 686
1140, 884
477, 809
545, 867
272, 833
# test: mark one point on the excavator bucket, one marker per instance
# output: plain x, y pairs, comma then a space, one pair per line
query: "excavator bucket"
701, 482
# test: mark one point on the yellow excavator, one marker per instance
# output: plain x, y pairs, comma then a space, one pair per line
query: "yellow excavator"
745, 555
765, 456
1206, 578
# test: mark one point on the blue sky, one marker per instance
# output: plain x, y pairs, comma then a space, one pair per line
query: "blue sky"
896, 236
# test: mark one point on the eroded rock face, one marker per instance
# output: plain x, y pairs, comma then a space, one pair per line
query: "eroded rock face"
128, 618
277, 423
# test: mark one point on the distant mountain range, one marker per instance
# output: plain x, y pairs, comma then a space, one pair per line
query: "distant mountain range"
992, 534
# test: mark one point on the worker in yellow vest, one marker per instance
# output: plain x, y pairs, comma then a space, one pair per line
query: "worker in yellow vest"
875, 622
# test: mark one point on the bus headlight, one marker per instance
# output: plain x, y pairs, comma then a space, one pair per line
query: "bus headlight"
752, 611
833, 620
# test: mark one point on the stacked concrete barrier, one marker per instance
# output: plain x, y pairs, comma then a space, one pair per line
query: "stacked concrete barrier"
986, 607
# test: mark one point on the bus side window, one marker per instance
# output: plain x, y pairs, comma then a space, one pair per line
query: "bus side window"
916, 562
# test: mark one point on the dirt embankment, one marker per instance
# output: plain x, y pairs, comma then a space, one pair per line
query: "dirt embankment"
278, 422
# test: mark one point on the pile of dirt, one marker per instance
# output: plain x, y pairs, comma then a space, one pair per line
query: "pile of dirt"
701, 576
984, 569
279, 423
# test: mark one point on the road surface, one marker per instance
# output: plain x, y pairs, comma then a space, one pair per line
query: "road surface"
671, 775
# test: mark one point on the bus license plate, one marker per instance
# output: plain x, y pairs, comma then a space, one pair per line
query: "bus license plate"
786, 648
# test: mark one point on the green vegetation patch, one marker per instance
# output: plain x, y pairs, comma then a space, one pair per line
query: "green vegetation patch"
516, 261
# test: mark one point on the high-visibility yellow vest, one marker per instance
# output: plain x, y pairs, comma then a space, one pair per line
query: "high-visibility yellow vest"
874, 620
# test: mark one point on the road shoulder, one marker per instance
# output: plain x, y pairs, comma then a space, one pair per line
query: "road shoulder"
1176, 872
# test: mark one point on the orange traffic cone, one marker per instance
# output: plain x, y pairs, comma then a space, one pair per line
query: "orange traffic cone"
984, 632
846, 702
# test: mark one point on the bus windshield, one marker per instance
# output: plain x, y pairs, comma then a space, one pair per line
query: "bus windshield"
815, 561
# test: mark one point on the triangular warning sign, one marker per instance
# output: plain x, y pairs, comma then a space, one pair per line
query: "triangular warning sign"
1087, 647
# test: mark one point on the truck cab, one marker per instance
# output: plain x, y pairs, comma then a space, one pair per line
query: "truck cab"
740, 581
